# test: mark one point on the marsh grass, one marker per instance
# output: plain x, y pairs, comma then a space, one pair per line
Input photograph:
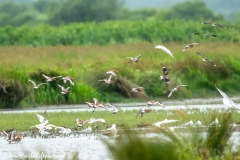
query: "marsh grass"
23, 121
87, 64
173, 145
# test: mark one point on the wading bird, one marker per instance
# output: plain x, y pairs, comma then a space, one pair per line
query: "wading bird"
206, 59
164, 49
178, 88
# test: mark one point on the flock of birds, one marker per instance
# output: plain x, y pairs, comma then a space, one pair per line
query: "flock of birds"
44, 126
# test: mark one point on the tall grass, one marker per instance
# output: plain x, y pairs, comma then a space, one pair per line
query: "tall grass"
87, 65
112, 32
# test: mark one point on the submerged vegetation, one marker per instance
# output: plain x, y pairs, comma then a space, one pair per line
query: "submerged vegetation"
87, 65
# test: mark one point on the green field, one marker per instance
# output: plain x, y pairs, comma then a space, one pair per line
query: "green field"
87, 65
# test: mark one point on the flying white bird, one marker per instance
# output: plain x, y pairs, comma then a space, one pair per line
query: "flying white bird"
213, 24
134, 59
36, 86
178, 88
164, 49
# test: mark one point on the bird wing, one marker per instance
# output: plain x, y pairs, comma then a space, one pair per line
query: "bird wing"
165, 71
42, 84
45, 76
196, 33
186, 47
40, 118
200, 54
214, 35
140, 55
129, 57
182, 85
167, 51
32, 82
57, 77
66, 89
61, 87
220, 25
171, 93
207, 23
3, 88
110, 77
210, 61
227, 98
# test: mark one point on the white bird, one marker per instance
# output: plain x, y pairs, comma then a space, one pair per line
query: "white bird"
93, 120
111, 131
111, 72
134, 59
143, 111
227, 101
42, 120
36, 86
64, 131
89, 129
116, 109
158, 124
49, 79
43, 132
164, 49
190, 123
178, 88
107, 81
137, 89
68, 78
198, 123
189, 46
80, 123
213, 24
206, 59
214, 122
64, 90
149, 103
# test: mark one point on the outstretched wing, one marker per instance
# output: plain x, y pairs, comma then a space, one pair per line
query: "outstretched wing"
57, 77
110, 77
32, 82
165, 71
186, 47
171, 93
219, 25
61, 87
45, 76
3, 88
227, 98
207, 23
138, 56
42, 84
200, 54
210, 61
40, 118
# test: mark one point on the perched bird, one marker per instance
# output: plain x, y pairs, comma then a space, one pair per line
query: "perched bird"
3, 88
164, 49
36, 86
68, 78
227, 101
213, 35
143, 111
134, 59
178, 88
214, 122
165, 75
111, 72
189, 46
107, 81
49, 79
64, 90
149, 103
214, 24
206, 59
137, 89
198, 123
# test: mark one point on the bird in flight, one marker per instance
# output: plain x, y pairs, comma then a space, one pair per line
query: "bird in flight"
206, 59
214, 24
207, 34
134, 59
178, 88
164, 49
189, 46
165, 75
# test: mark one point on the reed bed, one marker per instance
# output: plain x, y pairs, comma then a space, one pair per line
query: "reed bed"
87, 64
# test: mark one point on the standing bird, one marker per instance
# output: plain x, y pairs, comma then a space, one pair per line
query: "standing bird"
107, 81
213, 24
137, 89
3, 88
143, 111
165, 75
68, 78
64, 90
178, 88
111, 72
134, 59
206, 59
189, 46
36, 86
164, 49
49, 79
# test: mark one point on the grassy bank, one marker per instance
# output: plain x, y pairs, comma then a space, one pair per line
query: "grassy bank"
23, 121
87, 64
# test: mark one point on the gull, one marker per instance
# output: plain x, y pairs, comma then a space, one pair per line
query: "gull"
189, 46
36, 86
89, 129
111, 72
198, 123
49, 79
197, 33
178, 88
206, 59
164, 49
214, 122
111, 131
227, 101
68, 78
3, 88
190, 123
214, 24
43, 132
158, 124
143, 110
137, 89
134, 59
64, 90
64, 131
42, 120
107, 81
149, 103
80, 123
165, 75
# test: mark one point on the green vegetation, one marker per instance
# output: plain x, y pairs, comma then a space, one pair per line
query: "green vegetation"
168, 145
87, 65
20, 121
112, 32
